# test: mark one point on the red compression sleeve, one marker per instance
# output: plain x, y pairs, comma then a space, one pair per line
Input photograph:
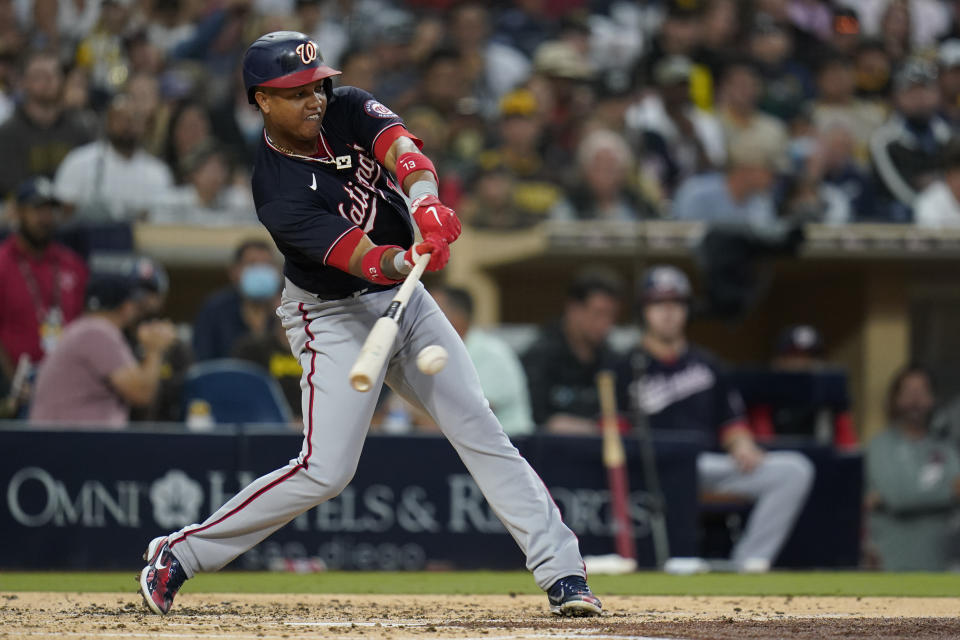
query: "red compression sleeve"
370, 264
388, 136
414, 161
340, 252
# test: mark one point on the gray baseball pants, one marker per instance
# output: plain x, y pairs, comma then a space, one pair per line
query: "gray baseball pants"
326, 337
779, 485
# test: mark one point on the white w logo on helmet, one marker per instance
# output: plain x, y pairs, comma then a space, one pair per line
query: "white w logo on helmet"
307, 52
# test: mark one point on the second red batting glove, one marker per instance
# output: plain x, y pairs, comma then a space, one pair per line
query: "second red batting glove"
434, 217
433, 244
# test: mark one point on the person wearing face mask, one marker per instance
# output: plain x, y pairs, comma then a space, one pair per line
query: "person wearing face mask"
41, 281
244, 308
92, 376
114, 179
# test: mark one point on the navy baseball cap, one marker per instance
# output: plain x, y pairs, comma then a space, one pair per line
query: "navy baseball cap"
35, 191
664, 282
799, 339
283, 59
107, 291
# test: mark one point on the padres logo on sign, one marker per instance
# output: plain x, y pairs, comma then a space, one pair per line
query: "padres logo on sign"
307, 52
378, 110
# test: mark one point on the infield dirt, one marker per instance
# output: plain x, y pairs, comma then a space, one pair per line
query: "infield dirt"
41, 615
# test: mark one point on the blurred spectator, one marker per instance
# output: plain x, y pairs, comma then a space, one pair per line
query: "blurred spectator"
358, 68
799, 349
562, 87
836, 104
525, 26
845, 32
912, 481
604, 191
906, 151
236, 124
918, 22
518, 158
833, 161
492, 203
721, 30
188, 130
562, 364
677, 386
938, 205
41, 281
493, 67
92, 377
501, 375
802, 193
740, 89
740, 195
786, 83
271, 350
40, 133
152, 284
113, 179
679, 138
682, 34
207, 198
874, 72
616, 91
811, 16
444, 82
392, 44
895, 30
948, 58
243, 308
103, 53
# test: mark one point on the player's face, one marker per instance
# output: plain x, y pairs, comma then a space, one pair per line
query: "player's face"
297, 111
666, 320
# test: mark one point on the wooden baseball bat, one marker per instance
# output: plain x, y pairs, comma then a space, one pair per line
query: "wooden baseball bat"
379, 341
615, 460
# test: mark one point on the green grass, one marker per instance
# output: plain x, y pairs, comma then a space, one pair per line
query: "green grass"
489, 582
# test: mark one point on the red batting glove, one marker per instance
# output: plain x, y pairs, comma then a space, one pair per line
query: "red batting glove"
434, 217
436, 246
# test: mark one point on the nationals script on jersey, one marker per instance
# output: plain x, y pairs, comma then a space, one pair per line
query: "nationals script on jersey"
309, 204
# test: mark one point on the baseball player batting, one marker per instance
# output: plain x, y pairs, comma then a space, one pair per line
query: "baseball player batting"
329, 181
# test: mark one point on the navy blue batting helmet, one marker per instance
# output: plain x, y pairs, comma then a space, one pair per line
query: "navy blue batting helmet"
284, 59
664, 282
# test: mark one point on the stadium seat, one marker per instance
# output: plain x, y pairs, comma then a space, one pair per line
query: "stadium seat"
236, 392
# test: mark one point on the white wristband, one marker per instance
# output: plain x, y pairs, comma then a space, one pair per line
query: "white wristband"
422, 188
400, 263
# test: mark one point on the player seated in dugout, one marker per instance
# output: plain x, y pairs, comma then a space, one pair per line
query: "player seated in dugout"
562, 364
800, 395
675, 385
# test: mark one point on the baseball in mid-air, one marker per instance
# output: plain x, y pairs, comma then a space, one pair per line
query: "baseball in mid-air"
431, 359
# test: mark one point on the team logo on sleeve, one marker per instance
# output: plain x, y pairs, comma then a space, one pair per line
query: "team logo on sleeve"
378, 110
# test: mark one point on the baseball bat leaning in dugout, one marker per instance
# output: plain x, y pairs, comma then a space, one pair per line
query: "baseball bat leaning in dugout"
615, 460
379, 341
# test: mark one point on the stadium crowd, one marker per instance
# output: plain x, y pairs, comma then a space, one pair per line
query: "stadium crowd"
754, 112
537, 110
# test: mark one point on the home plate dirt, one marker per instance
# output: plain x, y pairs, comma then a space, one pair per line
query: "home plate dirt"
37, 616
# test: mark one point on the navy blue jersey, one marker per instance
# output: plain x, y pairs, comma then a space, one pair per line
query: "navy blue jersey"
691, 393
310, 204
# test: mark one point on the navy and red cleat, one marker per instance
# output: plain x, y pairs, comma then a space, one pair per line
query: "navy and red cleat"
162, 577
571, 596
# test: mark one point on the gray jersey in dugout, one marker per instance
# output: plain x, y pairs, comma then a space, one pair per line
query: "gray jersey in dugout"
915, 529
